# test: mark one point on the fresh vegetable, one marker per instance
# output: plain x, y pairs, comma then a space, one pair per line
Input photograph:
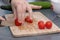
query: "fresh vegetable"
27, 19
7, 7
41, 25
45, 5
48, 24
17, 23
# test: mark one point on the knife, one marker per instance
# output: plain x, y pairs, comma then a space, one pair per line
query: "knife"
1, 22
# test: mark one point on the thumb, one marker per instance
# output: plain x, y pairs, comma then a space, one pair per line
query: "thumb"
35, 6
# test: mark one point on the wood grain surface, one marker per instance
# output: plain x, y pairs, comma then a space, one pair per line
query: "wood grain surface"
29, 29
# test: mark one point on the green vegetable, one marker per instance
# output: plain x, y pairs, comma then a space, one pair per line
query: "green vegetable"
45, 5
8, 7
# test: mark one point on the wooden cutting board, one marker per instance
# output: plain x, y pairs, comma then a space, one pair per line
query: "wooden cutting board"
29, 29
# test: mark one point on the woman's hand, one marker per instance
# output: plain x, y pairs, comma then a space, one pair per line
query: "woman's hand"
20, 7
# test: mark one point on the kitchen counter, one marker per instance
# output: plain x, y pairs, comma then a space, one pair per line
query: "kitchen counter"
5, 33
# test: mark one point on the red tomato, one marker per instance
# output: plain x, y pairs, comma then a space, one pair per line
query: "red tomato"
17, 23
41, 25
48, 24
27, 19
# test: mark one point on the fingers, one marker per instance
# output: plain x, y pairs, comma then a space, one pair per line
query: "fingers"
21, 9
1, 18
19, 13
35, 7
14, 11
23, 12
29, 9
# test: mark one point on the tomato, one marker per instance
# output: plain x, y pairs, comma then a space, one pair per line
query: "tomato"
48, 24
27, 19
41, 25
17, 23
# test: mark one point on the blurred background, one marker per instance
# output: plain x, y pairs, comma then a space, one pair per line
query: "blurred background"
2, 2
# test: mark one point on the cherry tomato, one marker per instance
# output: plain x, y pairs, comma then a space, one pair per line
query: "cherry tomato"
17, 23
48, 24
27, 19
41, 25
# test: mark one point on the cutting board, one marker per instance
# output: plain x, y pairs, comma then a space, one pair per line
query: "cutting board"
28, 29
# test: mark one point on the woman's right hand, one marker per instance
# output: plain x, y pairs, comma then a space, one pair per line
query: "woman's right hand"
19, 8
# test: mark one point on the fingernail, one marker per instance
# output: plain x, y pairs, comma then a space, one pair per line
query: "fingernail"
40, 6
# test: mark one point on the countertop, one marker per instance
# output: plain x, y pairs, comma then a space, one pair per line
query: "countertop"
5, 33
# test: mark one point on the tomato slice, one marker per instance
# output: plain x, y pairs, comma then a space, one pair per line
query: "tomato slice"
27, 19
41, 25
48, 24
17, 23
